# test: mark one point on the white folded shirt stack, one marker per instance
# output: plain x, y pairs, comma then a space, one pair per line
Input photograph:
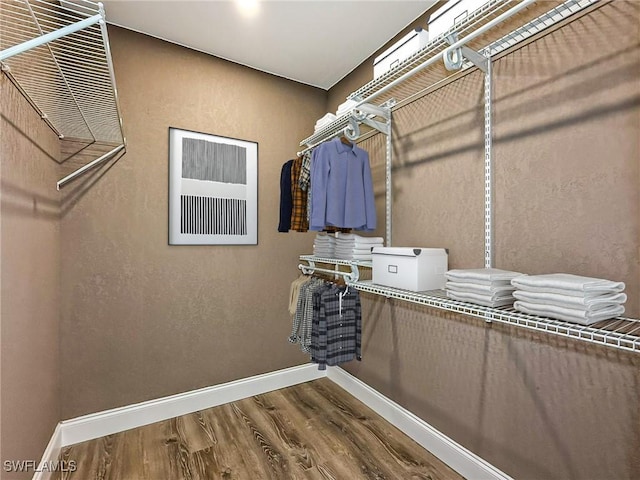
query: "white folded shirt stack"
324, 245
583, 300
490, 287
345, 107
350, 246
324, 121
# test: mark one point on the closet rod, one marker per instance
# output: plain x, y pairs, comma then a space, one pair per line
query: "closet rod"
342, 131
88, 166
49, 37
488, 26
308, 269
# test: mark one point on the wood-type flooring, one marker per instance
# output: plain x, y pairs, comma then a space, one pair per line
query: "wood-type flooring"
314, 430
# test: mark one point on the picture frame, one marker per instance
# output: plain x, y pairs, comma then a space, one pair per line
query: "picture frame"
213, 189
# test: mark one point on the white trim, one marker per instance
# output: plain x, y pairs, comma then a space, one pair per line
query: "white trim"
99, 424
466, 463
108, 422
51, 454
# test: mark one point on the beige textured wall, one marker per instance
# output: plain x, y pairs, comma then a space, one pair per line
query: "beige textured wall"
30, 276
567, 198
142, 319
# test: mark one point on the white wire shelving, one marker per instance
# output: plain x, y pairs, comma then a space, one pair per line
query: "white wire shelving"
621, 333
488, 31
58, 56
353, 275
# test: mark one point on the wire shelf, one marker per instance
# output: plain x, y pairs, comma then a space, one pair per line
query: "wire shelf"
58, 56
338, 125
533, 19
529, 21
335, 261
622, 333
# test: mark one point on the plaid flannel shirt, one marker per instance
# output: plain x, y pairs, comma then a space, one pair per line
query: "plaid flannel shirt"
299, 221
303, 318
305, 171
336, 334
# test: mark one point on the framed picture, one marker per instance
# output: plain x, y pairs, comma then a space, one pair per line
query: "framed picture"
213, 189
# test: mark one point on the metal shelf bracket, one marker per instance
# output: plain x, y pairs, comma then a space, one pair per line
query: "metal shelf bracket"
454, 59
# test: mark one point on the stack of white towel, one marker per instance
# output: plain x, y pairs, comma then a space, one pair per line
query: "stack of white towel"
324, 121
324, 245
490, 287
345, 107
350, 246
572, 298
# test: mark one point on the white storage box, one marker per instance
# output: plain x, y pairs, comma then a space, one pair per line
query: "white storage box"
399, 51
416, 269
450, 14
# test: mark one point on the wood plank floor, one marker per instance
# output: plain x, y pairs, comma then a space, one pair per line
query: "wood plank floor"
314, 430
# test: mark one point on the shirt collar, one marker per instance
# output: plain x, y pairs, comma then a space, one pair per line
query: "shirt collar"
342, 148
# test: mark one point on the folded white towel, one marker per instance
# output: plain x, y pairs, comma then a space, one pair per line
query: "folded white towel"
354, 238
363, 248
355, 251
345, 107
369, 245
477, 288
322, 253
481, 299
482, 276
569, 314
324, 239
325, 120
360, 251
349, 256
570, 301
323, 242
567, 284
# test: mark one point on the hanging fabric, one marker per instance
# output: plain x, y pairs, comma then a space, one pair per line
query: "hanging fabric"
341, 187
336, 333
327, 323
286, 201
299, 221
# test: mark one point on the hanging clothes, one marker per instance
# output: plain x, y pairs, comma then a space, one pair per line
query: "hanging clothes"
286, 201
336, 333
341, 187
327, 323
299, 221
294, 292
304, 180
303, 316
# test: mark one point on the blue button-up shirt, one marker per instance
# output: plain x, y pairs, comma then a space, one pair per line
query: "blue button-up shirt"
341, 187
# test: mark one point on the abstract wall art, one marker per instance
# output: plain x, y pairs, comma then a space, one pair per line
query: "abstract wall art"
213, 189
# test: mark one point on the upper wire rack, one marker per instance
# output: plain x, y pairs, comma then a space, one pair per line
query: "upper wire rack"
69, 80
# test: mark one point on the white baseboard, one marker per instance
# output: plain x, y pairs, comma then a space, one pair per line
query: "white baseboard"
466, 463
99, 424
50, 456
108, 422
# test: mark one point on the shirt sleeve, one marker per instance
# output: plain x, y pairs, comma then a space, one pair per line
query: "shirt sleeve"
321, 347
358, 327
297, 317
319, 179
286, 201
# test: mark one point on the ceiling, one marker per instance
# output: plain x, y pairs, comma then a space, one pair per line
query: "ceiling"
309, 41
